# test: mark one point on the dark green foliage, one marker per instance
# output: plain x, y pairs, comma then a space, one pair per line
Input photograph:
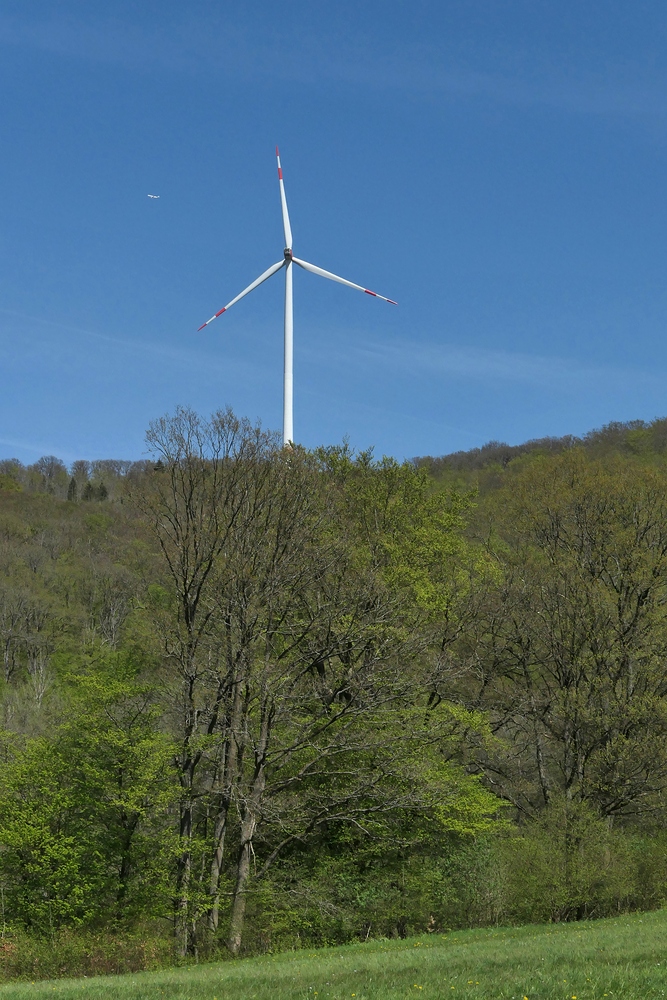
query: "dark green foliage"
263, 699
82, 952
571, 865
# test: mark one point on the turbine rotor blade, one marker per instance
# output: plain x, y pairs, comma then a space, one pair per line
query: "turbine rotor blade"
258, 281
334, 277
283, 202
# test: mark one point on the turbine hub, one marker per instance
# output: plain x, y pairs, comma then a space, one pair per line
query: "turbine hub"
288, 253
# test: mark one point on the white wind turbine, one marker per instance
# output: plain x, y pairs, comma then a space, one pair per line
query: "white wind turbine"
286, 262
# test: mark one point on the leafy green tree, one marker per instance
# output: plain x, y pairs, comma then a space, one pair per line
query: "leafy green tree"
82, 813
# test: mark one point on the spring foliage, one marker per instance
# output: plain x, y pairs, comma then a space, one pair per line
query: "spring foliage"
254, 697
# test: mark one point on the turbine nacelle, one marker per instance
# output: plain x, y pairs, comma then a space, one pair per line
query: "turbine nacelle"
289, 258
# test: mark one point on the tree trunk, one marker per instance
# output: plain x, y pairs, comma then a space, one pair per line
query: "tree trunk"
182, 908
238, 905
229, 777
248, 826
216, 866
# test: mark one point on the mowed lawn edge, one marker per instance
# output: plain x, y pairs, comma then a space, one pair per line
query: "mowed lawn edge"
625, 957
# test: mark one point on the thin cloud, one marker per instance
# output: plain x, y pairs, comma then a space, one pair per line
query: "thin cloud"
38, 449
158, 351
215, 44
559, 374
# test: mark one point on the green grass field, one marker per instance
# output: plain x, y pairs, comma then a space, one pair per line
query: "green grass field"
621, 958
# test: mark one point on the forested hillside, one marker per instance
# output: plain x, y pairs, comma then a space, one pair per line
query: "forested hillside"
255, 698
634, 438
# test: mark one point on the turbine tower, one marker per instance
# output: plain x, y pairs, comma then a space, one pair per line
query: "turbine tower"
286, 262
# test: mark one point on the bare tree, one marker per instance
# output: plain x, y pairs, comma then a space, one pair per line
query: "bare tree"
291, 637
192, 499
13, 608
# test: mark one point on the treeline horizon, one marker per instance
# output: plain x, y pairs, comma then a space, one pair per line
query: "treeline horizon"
632, 437
255, 698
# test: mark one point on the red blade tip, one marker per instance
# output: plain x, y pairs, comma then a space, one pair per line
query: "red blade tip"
392, 302
277, 151
201, 327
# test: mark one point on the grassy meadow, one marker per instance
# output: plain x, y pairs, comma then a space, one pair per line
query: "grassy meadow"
625, 957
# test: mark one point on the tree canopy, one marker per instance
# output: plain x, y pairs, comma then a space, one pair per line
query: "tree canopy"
260, 695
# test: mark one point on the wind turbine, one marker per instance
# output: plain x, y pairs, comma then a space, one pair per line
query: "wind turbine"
286, 262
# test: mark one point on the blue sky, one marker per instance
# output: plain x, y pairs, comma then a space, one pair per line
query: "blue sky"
497, 166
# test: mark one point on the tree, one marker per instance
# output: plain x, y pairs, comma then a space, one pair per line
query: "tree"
196, 493
81, 811
293, 619
570, 651
52, 474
